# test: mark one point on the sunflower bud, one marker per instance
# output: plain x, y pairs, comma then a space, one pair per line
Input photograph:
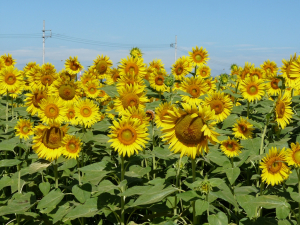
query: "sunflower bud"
224, 78
169, 81
205, 186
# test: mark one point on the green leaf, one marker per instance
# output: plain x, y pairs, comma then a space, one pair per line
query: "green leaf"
269, 201
252, 144
245, 190
216, 182
136, 190
102, 125
70, 163
10, 144
153, 196
4, 182
44, 188
101, 139
9, 162
61, 212
94, 177
95, 167
233, 174
51, 199
35, 167
163, 153
217, 157
218, 219
137, 171
282, 212
82, 193
188, 196
293, 179
245, 202
201, 207
111, 90
242, 158
230, 121
89, 209
283, 143
287, 222
87, 136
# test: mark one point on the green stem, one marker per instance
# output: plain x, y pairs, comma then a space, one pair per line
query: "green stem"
208, 204
12, 108
78, 166
248, 109
19, 172
194, 179
6, 129
154, 162
122, 190
55, 174
177, 185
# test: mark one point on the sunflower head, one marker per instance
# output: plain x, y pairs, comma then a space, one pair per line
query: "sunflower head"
72, 146
73, 66
203, 71
87, 112
136, 52
102, 64
8, 60
252, 88
24, 128
243, 129
283, 110
231, 147
10, 78
181, 68
293, 155
199, 56
156, 65
132, 65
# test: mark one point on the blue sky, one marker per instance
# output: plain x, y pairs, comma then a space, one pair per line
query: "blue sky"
231, 31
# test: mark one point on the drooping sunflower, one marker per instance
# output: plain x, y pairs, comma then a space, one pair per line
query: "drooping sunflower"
24, 128
34, 98
72, 146
180, 69
211, 85
87, 112
236, 70
269, 68
231, 147
189, 130
243, 129
221, 104
132, 66
274, 168
256, 72
130, 95
199, 56
52, 109
67, 91
10, 78
252, 88
102, 65
157, 81
245, 72
136, 52
293, 155
70, 115
272, 86
283, 109
8, 60
156, 65
47, 142
73, 66
161, 112
128, 136
149, 72
203, 71
112, 76
134, 112
86, 77
29, 66
195, 86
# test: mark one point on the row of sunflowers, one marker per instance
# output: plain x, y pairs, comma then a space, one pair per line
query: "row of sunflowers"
136, 145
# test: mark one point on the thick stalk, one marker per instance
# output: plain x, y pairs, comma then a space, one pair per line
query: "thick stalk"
262, 140
78, 166
19, 172
12, 108
55, 174
177, 185
122, 190
194, 179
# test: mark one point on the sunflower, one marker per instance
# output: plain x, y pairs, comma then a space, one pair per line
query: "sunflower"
45, 76
128, 136
236, 70
256, 72
283, 109
211, 85
161, 112
156, 65
133, 112
274, 168
102, 65
252, 88
269, 68
18, 91
132, 79
132, 66
87, 112
67, 91
52, 109
136, 52
91, 88
73, 66
34, 98
195, 86
8, 60
113, 76
157, 81
292, 77
86, 77
150, 115
221, 104
203, 71
243, 129
245, 72
272, 86
188, 130
29, 66
231, 147
72, 146
70, 115
47, 142
199, 56
149, 72
130, 95
102, 96
180, 69
10, 78
24, 128
292, 155
2, 65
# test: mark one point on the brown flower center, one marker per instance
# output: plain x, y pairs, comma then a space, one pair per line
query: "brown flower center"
130, 99
66, 92
280, 109
101, 67
52, 137
159, 80
127, 135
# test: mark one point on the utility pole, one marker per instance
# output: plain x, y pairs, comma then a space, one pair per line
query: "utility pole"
44, 38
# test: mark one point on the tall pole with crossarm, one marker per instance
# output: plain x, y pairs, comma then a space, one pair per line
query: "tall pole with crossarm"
44, 38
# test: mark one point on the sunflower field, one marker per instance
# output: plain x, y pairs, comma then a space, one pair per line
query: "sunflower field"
136, 145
